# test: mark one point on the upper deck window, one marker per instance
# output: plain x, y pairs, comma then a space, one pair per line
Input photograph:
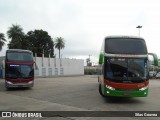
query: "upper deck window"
125, 46
19, 56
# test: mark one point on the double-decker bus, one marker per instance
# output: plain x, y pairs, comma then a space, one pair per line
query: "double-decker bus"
124, 67
19, 68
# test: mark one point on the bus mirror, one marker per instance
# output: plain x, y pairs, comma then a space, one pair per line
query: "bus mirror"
155, 61
3, 64
36, 66
101, 58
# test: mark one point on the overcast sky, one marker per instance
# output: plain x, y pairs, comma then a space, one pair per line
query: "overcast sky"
84, 23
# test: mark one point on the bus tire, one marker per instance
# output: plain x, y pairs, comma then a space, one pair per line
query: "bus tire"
98, 79
100, 91
7, 88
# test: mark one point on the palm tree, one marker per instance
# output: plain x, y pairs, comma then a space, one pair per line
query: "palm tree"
2, 40
15, 33
59, 44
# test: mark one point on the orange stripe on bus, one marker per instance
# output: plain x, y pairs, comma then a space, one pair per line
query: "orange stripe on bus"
126, 85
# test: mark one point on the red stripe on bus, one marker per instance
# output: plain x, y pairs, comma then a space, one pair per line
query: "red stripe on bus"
22, 63
19, 80
125, 85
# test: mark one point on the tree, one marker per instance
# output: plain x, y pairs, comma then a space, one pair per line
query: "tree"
40, 42
16, 34
2, 40
59, 44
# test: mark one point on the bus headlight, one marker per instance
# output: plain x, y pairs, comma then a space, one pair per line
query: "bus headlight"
109, 87
143, 88
9, 82
30, 82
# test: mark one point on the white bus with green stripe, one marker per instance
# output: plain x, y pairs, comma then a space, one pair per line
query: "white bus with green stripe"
124, 67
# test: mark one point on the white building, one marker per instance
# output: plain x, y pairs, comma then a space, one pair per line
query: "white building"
56, 67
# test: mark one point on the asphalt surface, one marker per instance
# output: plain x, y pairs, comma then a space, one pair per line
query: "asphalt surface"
79, 93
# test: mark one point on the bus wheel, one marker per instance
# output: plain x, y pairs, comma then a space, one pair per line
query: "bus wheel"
7, 88
98, 79
100, 91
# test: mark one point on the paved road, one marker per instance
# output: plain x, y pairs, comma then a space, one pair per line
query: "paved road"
75, 94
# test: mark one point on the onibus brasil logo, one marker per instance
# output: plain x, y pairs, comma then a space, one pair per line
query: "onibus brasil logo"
21, 114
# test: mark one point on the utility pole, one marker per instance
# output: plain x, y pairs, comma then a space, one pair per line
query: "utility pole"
89, 57
89, 60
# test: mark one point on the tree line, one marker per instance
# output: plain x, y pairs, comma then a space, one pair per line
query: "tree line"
38, 41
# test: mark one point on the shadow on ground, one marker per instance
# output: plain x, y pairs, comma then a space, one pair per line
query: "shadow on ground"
18, 89
123, 100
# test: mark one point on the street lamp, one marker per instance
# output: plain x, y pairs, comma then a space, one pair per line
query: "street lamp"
89, 57
139, 27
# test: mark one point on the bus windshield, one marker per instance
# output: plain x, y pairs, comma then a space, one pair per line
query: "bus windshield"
126, 69
19, 56
19, 71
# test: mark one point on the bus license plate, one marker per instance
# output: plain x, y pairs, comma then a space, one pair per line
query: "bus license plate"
127, 93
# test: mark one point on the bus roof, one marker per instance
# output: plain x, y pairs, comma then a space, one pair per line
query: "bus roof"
123, 36
18, 50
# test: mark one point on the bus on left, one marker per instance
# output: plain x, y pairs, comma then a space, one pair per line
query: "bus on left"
19, 68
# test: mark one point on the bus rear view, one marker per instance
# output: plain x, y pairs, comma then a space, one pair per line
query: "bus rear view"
124, 67
19, 68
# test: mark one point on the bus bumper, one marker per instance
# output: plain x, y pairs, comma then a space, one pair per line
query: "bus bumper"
125, 93
9, 84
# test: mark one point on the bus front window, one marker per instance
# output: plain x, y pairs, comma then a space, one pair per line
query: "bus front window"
125, 69
19, 71
116, 68
19, 56
137, 69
